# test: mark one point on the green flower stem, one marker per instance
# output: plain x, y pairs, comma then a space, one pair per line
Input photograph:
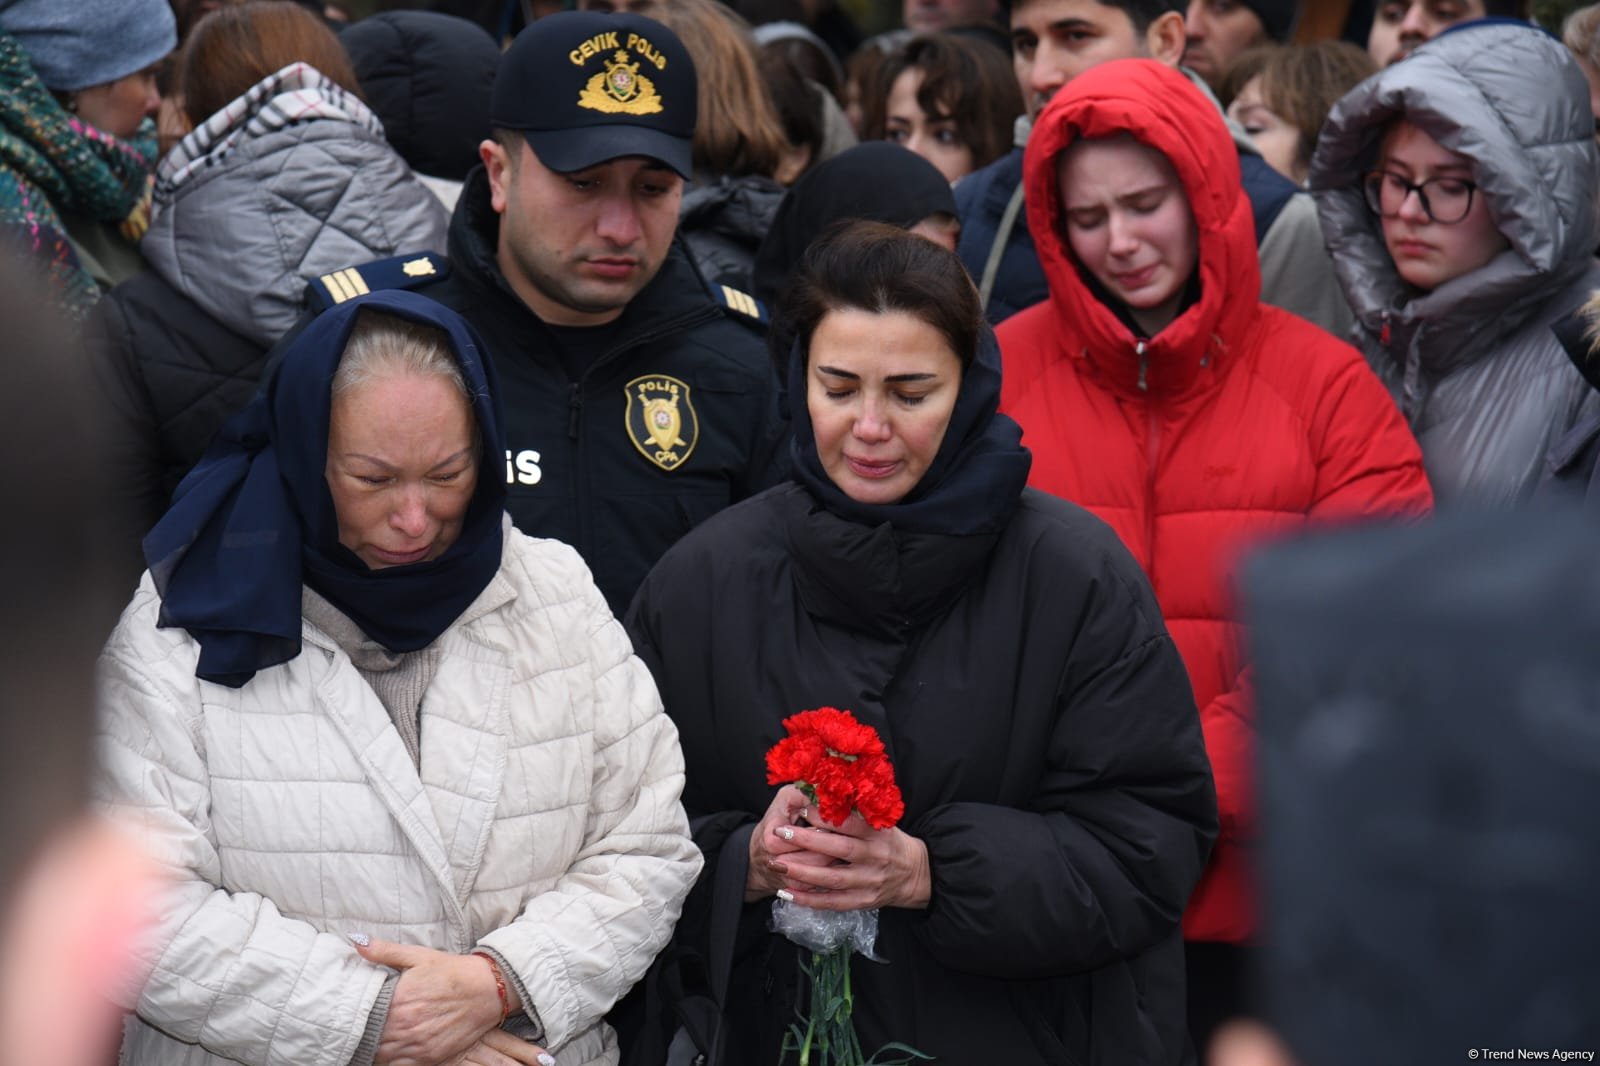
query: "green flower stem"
828, 1027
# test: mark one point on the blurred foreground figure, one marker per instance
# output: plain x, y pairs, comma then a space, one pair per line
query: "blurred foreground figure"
1430, 752
71, 889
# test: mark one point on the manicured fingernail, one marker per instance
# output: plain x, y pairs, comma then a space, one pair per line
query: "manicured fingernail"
785, 895
360, 940
546, 1059
786, 832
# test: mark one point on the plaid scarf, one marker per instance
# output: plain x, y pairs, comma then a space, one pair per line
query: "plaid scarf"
52, 164
297, 93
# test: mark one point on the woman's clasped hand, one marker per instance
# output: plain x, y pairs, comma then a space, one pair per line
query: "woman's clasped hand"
446, 1009
796, 852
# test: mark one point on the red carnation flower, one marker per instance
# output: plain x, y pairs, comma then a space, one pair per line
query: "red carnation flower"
840, 763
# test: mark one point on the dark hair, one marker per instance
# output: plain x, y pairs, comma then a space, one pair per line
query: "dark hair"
1140, 12
988, 33
512, 141
1143, 12
963, 79
1300, 83
804, 56
234, 47
860, 75
876, 267
761, 12
799, 104
189, 12
1511, 9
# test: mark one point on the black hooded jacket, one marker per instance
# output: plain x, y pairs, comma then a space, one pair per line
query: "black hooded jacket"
429, 77
1042, 731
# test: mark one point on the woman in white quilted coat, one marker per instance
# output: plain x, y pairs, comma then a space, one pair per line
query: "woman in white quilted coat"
417, 796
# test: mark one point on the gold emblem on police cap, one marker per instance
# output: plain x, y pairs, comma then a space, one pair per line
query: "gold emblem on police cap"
418, 268
661, 421
621, 90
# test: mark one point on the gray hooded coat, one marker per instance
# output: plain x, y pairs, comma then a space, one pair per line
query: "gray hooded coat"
288, 182
1473, 365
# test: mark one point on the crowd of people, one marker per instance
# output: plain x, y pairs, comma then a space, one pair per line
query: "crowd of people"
495, 421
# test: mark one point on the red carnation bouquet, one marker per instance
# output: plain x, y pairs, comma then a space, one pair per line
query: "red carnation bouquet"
840, 764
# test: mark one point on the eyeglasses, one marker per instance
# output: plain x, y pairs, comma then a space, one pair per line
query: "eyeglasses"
1444, 200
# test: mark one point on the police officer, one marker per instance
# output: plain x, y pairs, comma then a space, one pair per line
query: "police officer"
638, 398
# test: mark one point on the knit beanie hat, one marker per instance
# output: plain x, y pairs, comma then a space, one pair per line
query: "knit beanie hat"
1277, 16
73, 45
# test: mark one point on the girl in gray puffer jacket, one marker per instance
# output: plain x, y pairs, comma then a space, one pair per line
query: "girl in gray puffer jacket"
286, 176
1457, 195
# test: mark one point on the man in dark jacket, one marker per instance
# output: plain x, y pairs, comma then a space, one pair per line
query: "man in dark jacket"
1053, 41
638, 399
1220, 30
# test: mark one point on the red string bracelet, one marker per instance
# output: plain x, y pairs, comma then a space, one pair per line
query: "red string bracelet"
499, 984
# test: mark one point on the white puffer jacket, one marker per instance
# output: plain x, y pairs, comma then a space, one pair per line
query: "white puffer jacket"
545, 822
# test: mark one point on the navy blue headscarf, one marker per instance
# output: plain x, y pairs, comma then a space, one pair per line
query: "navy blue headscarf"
975, 481
254, 520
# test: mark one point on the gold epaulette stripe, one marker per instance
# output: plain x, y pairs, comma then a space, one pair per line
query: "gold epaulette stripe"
344, 285
742, 302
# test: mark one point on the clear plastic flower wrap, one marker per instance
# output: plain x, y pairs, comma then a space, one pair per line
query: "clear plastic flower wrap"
841, 766
827, 931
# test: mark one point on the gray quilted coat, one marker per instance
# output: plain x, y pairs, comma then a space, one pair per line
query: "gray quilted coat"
290, 181
1473, 365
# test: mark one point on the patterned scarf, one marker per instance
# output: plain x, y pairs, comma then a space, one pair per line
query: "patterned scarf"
53, 164
297, 93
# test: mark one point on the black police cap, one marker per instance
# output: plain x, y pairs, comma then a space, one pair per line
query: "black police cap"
588, 86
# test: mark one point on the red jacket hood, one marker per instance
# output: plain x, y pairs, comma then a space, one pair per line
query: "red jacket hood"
1158, 106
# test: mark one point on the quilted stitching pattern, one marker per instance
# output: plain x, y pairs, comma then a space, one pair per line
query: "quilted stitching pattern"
1473, 364
243, 238
548, 791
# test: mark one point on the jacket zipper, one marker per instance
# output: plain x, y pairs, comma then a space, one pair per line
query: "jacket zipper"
580, 481
1152, 447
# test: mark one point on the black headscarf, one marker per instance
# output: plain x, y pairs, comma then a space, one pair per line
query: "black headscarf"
254, 520
975, 480
875, 180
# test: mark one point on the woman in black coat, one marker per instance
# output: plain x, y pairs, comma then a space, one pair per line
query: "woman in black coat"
1059, 805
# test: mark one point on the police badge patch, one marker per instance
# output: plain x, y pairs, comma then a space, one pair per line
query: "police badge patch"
621, 89
660, 420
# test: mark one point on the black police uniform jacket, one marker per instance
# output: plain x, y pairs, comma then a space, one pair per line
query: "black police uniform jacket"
1045, 738
673, 423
